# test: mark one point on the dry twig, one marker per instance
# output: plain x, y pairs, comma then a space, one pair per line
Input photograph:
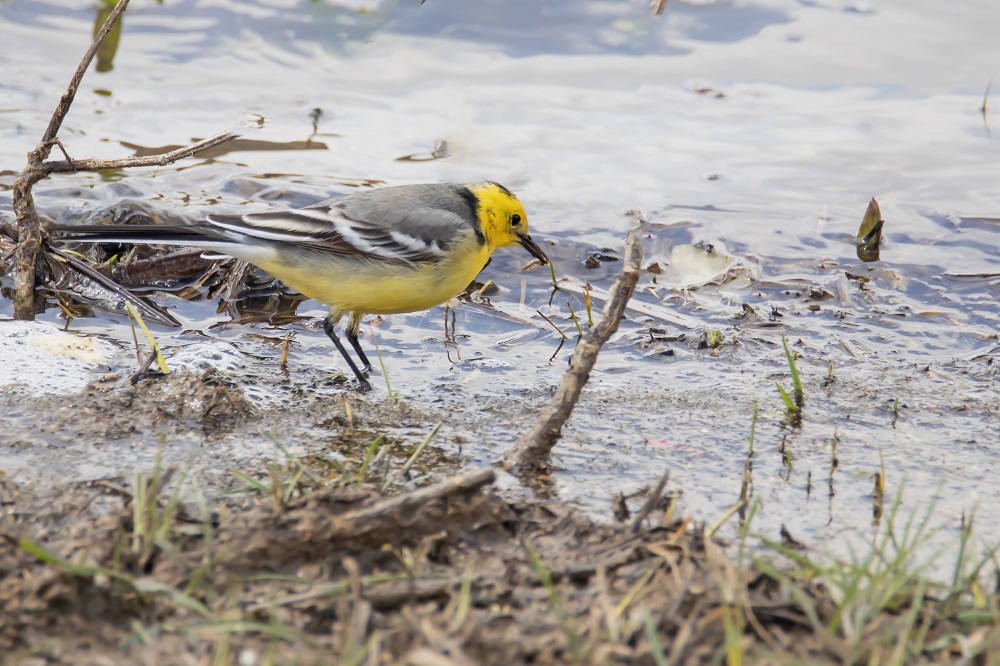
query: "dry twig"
535, 445
25, 259
651, 503
392, 515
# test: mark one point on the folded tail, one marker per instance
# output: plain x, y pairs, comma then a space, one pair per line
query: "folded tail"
151, 234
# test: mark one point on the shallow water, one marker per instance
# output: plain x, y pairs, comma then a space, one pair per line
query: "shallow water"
761, 128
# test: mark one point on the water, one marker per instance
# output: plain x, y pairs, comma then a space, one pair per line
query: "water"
760, 128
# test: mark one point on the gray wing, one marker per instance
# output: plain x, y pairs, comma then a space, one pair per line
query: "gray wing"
407, 223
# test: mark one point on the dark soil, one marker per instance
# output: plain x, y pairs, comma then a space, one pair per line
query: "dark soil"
450, 573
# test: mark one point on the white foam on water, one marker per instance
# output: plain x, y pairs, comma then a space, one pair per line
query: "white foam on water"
37, 358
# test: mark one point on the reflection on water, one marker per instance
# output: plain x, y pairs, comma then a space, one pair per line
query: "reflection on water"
523, 28
593, 109
109, 46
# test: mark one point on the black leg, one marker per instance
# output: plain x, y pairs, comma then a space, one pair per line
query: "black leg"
328, 324
353, 329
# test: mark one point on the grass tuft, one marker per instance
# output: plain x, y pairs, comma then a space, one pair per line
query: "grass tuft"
884, 602
565, 619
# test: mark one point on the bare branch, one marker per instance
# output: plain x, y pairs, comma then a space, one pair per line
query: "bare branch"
163, 159
386, 517
651, 502
535, 445
25, 260
67, 98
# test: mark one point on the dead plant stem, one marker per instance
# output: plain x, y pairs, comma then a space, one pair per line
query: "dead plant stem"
535, 445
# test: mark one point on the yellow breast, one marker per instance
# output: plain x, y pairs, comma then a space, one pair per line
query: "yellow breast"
373, 287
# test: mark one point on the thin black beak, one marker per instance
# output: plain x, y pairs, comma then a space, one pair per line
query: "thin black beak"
532, 247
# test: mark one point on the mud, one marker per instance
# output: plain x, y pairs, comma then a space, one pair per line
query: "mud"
451, 573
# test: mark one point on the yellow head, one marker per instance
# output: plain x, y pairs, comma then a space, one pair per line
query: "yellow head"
502, 218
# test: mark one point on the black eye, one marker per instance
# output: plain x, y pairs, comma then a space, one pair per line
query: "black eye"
515, 219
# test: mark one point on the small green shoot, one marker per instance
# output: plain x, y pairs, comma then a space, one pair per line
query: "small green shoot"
420, 449
789, 404
796, 379
792, 405
281, 487
878, 497
655, 646
732, 622
713, 338
871, 219
753, 429
575, 320
366, 461
889, 582
141, 586
416, 454
565, 620
464, 596
634, 593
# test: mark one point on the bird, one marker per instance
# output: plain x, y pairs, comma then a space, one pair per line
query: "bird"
389, 250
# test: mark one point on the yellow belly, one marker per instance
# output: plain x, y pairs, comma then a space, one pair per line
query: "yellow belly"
350, 285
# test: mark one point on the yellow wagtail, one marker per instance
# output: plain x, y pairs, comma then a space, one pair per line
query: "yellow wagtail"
383, 251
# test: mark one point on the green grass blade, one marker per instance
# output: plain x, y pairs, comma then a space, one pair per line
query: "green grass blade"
796, 379
788, 400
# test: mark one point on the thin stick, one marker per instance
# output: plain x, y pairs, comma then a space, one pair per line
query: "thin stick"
25, 261
534, 447
386, 516
552, 324
418, 451
163, 159
284, 351
651, 503
55, 123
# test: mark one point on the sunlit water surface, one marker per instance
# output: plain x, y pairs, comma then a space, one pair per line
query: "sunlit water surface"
761, 128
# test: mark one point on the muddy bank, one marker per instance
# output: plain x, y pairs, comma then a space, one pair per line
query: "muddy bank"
450, 573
